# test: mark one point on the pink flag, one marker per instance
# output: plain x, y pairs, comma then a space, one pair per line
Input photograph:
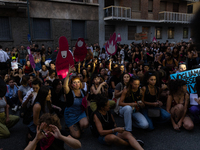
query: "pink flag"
81, 51
31, 58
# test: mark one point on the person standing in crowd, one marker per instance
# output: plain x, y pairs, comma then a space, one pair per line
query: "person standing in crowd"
131, 104
177, 105
37, 59
3, 59
75, 116
6, 121
150, 97
22, 55
106, 130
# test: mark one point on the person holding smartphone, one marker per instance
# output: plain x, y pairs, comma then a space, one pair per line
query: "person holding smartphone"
130, 102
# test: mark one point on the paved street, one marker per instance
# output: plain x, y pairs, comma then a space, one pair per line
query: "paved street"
162, 138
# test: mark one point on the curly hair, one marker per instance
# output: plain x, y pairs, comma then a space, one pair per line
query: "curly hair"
101, 101
175, 85
147, 75
50, 119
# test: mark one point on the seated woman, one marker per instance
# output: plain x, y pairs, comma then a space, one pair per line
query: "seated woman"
98, 88
6, 121
42, 104
105, 127
119, 90
49, 135
75, 116
177, 104
150, 97
131, 103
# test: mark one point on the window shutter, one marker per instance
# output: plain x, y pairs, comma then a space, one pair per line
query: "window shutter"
41, 29
4, 28
78, 29
162, 6
150, 6
136, 5
131, 32
109, 30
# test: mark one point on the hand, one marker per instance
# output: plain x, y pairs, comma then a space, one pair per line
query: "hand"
56, 132
40, 135
156, 104
119, 129
30, 96
7, 120
141, 104
133, 104
103, 83
180, 123
160, 103
70, 69
163, 86
197, 100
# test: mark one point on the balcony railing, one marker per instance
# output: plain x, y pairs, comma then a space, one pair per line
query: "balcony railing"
173, 17
117, 13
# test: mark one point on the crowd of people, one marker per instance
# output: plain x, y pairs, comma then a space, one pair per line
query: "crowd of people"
134, 84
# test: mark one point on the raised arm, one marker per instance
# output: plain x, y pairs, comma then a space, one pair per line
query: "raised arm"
66, 82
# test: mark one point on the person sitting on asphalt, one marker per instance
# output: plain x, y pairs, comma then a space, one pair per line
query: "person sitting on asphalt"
49, 135
105, 127
12, 95
131, 106
6, 121
75, 116
177, 104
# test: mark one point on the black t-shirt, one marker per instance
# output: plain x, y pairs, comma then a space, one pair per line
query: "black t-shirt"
57, 98
149, 58
115, 80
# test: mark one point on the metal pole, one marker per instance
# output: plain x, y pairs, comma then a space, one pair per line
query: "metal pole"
29, 24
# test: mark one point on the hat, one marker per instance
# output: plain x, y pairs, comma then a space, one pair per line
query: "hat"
3, 88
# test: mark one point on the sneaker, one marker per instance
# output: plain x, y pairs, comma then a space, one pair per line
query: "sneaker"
15, 108
140, 142
19, 107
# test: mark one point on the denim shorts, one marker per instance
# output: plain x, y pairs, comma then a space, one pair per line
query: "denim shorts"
101, 139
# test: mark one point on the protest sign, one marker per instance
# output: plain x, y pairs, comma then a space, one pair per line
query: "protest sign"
189, 77
141, 36
154, 39
81, 51
32, 62
111, 45
64, 58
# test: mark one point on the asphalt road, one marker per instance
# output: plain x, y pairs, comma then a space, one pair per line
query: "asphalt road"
162, 138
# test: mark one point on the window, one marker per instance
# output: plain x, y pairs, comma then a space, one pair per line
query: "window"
175, 7
78, 29
171, 33
158, 33
131, 32
162, 6
136, 5
150, 6
190, 9
185, 32
41, 29
5, 28
109, 30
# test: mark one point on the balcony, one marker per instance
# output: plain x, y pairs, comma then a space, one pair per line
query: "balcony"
173, 17
117, 13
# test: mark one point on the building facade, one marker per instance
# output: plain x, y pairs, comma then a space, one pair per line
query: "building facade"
49, 19
162, 19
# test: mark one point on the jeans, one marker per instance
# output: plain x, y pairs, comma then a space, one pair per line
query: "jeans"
23, 62
133, 118
164, 117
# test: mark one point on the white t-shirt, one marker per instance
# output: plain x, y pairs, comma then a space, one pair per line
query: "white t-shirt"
3, 56
44, 73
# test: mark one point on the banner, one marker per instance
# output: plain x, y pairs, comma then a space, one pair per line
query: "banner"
141, 36
64, 58
81, 51
189, 77
14, 65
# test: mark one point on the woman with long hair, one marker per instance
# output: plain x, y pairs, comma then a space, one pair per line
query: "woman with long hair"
170, 63
150, 97
176, 54
177, 104
75, 116
24, 88
105, 128
131, 104
42, 104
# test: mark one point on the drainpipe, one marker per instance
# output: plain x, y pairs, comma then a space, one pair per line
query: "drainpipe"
29, 24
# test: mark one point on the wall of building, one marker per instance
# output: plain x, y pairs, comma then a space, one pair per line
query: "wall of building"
122, 28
